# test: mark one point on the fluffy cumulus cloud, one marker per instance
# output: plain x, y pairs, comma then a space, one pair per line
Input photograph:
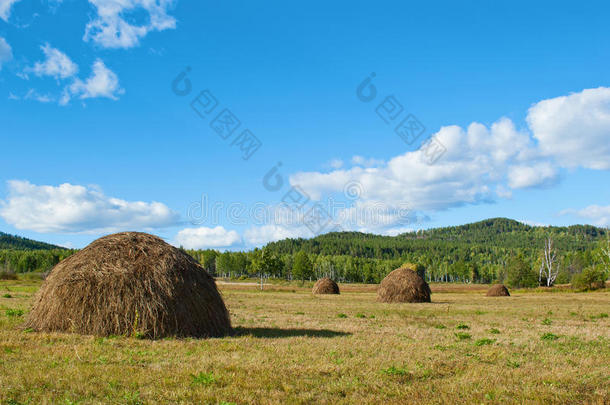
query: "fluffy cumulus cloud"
597, 214
57, 64
574, 129
71, 208
5, 8
102, 83
539, 174
6, 53
476, 158
115, 25
205, 238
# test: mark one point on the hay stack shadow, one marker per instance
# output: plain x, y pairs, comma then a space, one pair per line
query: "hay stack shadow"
272, 333
130, 283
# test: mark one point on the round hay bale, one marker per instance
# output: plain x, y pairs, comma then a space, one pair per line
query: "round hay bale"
134, 284
325, 286
403, 285
498, 290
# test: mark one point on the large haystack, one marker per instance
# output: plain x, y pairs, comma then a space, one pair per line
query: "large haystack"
403, 285
498, 290
325, 286
130, 283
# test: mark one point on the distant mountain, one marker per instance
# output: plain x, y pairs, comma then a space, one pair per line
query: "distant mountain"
491, 233
17, 242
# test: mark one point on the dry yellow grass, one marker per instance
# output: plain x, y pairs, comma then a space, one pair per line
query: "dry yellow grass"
295, 347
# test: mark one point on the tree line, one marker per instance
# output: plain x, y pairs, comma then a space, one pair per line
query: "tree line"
484, 252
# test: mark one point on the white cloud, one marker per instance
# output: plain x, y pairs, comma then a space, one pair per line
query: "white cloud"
71, 208
574, 129
364, 162
57, 64
335, 164
533, 223
102, 83
524, 176
111, 28
476, 159
260, 235
34, 95
204, 238
6, 53
598, 214
5, 8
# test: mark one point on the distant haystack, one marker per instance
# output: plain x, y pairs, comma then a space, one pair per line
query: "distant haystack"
403, 285
498, 290
130, 283
325, 286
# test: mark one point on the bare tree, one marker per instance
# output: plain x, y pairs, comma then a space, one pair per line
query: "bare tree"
549, 267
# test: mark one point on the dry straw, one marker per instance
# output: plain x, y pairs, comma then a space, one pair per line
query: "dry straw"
498, 290
325, 286
130, 283
403, 285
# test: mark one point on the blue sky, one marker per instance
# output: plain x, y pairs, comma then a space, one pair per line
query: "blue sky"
96, 141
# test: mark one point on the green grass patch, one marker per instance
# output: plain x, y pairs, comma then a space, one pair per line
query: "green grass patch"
395, 371
546, 321
341, 315
462, 335
549, 336
484, 342
462, 326
495, 331
203, 378
14, 312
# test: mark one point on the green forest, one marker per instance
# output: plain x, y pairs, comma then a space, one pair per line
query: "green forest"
496, 249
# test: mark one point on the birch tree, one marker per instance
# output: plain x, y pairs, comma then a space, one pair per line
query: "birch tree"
549, 267
605, 252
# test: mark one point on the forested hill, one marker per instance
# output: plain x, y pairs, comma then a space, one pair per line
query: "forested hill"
17, 242
491, 233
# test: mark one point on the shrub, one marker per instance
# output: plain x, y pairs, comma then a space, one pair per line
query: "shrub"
591, 278
520, 274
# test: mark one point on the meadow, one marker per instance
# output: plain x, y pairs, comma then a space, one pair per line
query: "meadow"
290, 346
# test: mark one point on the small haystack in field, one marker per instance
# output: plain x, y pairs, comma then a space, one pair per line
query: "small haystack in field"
498, 290
130, 283
325, 286
403, 285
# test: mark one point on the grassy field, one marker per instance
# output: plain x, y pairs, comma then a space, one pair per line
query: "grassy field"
293, 347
